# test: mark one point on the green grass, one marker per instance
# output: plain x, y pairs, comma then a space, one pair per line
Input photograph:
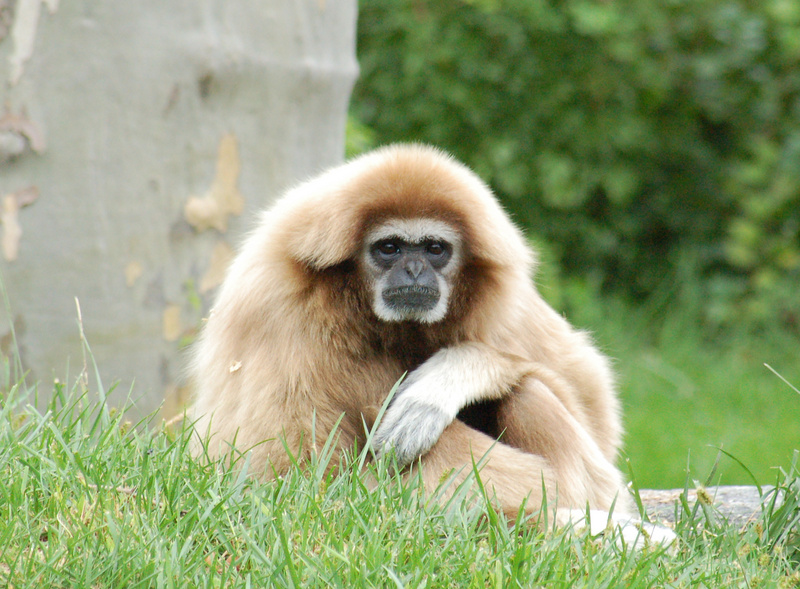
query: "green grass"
89, 500
684, 397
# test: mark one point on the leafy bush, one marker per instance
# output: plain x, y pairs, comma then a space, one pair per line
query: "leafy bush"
645, 141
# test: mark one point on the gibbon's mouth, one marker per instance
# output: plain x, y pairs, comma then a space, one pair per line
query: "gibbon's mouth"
414, 297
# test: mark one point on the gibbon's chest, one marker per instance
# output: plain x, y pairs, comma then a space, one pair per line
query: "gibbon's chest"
406, 344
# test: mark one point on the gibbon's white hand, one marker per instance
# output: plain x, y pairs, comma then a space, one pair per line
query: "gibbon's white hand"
412, 424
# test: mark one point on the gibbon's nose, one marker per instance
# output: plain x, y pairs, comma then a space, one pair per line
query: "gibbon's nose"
414, 267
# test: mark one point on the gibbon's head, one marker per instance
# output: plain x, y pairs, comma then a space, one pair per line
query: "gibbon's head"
410, 265
425, 235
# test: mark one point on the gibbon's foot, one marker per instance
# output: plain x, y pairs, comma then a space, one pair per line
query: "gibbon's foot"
633, 532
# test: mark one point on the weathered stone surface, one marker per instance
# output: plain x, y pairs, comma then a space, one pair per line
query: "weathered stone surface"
737, 504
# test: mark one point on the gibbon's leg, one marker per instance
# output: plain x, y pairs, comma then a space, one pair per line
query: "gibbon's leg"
542, 447
513, 477
534, 420
508, 474
538, 421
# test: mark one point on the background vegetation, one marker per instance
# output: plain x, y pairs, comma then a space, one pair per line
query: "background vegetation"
652, 150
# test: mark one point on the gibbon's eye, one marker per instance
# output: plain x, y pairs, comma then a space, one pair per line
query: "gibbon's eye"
436, 248
388, 248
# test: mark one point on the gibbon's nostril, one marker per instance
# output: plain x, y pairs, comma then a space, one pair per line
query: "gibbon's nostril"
414, 268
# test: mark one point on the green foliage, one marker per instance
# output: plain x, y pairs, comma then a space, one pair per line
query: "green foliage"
92, 501
643, 140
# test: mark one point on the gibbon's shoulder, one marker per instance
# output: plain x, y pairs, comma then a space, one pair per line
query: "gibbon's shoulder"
322, 221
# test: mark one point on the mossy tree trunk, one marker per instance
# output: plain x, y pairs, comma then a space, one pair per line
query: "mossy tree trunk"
137, 141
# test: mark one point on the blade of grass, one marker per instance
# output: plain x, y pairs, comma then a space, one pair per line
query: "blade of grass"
776, 373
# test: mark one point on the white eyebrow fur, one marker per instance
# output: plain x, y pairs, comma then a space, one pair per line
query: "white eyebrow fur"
415, 231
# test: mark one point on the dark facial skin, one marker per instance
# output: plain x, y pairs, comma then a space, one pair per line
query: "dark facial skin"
411, 271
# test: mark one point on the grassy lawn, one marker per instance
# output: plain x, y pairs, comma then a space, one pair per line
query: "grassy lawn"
89, 500
686, 395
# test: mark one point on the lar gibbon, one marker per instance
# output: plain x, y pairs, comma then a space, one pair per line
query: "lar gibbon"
402, 261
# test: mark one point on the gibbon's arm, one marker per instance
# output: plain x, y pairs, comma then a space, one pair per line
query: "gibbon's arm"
429, 399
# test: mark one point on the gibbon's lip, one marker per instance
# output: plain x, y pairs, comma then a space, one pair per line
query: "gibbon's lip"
414, 296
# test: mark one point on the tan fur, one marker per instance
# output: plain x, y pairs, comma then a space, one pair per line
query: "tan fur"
293, 339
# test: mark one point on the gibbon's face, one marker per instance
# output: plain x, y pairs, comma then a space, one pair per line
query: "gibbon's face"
411, 265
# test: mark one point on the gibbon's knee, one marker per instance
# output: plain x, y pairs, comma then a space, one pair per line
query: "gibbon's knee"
535, 420
510, 476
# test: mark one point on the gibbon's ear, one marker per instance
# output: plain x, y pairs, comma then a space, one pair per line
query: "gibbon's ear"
321, 235
320, 220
